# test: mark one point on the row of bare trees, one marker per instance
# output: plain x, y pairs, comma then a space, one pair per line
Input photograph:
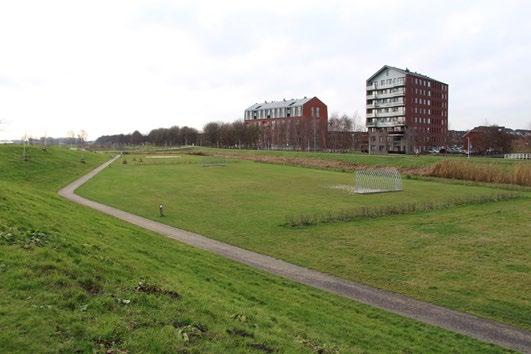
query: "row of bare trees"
295, 133
160, 137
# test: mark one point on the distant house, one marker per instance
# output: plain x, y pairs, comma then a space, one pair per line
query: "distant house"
290, 124
495, 139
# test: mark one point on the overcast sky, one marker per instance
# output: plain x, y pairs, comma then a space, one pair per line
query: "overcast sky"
116, 66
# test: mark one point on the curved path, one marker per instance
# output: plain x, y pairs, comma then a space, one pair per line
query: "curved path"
485, 330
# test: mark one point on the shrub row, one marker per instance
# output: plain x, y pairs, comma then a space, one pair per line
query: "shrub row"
346, 215
517, 174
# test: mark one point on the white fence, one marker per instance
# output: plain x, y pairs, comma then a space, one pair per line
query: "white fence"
518, 156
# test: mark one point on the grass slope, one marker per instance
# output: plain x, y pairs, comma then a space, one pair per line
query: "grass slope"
74, 280
474, 258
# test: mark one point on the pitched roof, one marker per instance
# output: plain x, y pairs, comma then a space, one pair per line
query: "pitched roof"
279, 104
405, 72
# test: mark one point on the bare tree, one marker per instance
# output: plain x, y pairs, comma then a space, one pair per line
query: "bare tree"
358, 122
82, 137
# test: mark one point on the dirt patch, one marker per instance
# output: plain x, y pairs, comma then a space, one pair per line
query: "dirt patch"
239, 332
91, 286
148, 288
108, 346
262, 347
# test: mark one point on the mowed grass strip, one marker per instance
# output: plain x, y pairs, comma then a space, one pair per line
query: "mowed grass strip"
74, 280
471, 258
361, 159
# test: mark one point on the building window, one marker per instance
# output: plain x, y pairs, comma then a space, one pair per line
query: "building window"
317, 113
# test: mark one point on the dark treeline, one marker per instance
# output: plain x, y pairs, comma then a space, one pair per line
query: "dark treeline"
161, 136
216, 134
296, 134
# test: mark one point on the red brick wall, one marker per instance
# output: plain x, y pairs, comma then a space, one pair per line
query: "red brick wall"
438, 103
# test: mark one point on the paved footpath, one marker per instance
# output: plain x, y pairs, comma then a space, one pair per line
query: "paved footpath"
485, 330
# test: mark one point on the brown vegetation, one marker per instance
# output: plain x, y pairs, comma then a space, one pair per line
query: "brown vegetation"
517, 174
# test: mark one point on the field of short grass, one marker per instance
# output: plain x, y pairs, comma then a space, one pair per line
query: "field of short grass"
74, 280
398, 160
473, 258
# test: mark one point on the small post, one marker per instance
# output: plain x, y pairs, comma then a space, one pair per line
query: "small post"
161, 209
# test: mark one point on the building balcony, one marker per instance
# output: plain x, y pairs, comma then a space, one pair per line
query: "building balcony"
396, 132
385, 105
385, 124
386, 114
371, 96
379, 86
391, 94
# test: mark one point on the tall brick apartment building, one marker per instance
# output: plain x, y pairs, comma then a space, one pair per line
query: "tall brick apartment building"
295, 124
406, 112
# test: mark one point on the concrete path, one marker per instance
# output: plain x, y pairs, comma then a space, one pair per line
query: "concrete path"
485, 330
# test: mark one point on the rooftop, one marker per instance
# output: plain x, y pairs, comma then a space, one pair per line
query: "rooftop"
404, 71
279, 104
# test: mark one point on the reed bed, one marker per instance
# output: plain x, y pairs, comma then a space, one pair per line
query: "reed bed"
519, 174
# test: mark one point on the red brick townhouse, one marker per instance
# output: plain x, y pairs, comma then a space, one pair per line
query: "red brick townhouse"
290, 124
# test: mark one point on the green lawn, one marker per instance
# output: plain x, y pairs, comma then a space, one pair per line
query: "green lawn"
474, 258
69, 282
398, 160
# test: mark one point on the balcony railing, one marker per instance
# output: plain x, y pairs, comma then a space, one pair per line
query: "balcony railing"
396, 132
384, 86
390, 94
380, 124
385, 105
384, 114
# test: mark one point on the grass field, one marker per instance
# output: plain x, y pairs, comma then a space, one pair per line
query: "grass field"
398, 160
74, 280
473, 258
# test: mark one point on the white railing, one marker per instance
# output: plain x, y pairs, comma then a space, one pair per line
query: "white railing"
400, 112
518, 156
390, 94
380, 124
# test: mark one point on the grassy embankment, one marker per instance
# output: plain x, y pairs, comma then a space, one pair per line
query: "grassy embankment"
74, 280
473, 258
